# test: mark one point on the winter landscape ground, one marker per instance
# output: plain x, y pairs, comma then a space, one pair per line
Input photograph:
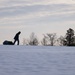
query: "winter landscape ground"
37, 60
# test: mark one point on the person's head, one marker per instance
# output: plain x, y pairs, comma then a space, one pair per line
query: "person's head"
19, 32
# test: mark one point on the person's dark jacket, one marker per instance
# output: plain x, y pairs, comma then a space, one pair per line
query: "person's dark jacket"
17, 36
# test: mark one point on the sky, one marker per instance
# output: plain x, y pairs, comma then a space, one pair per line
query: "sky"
38, 16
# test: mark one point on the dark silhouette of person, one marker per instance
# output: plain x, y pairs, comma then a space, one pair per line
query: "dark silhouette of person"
16, 38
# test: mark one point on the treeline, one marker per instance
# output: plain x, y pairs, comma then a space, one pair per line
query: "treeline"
50, 39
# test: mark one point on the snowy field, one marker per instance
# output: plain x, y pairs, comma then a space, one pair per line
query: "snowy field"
38, 60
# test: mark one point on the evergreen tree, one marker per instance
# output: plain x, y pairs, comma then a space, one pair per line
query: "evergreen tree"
70, 37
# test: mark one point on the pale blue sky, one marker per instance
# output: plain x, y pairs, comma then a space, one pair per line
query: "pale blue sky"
39, 16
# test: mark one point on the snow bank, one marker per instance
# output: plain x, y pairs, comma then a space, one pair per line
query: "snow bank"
37, 60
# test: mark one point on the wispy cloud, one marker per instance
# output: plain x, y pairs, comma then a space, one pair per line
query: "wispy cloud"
13, 3
27, 13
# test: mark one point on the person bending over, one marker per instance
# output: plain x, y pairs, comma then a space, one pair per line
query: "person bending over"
16, 38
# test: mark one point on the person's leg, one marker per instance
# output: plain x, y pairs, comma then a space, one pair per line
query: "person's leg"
17, 42
14, 41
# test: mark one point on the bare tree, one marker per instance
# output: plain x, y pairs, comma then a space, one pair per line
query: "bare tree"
51, 38
44, 40
25, 41
33, 39
61, 40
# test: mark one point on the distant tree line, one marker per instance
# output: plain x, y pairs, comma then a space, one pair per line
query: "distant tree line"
50, 39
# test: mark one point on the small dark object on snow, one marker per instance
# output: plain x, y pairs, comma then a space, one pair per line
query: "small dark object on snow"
8, 42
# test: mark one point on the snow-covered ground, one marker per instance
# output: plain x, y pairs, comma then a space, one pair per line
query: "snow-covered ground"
37, 60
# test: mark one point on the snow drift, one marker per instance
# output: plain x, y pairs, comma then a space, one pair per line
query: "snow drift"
37, 60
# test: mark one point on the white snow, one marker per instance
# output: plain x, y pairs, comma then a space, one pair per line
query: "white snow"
37, 60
